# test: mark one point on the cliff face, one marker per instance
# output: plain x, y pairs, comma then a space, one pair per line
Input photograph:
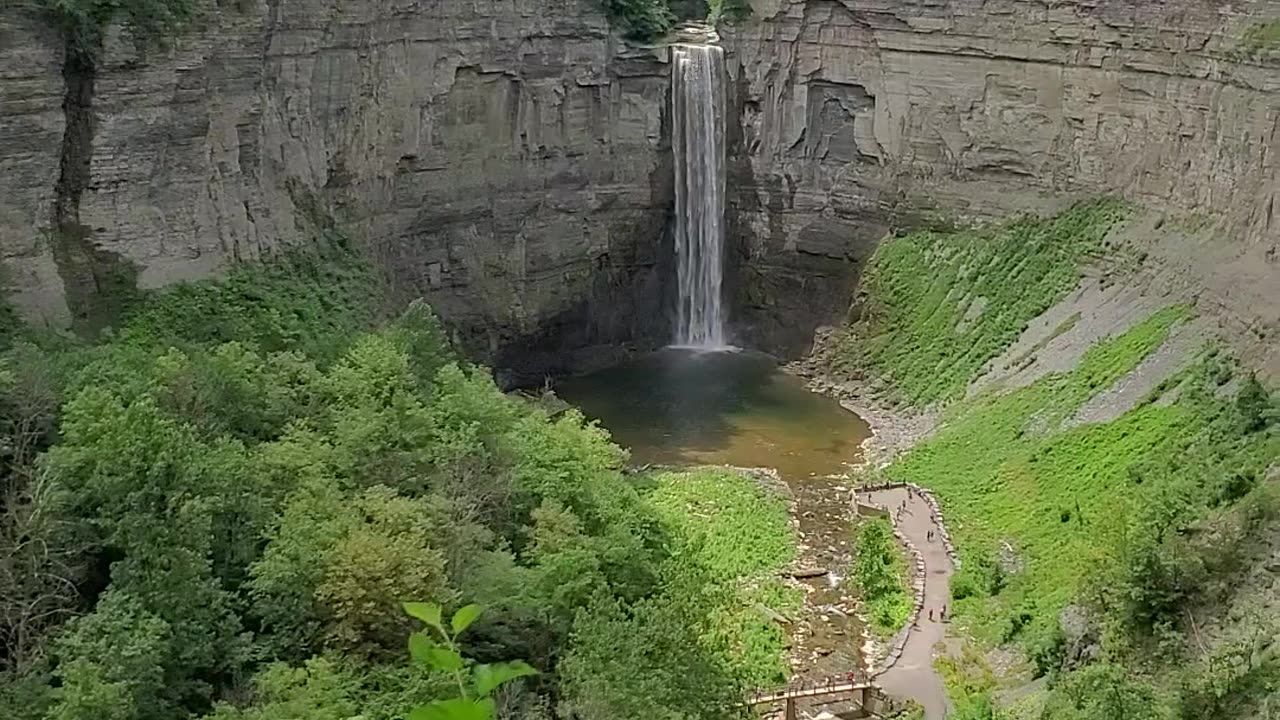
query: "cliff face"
507, 159
855, 113
503, 158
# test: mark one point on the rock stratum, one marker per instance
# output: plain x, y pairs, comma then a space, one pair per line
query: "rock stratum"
857, 114
503, 158
509, 159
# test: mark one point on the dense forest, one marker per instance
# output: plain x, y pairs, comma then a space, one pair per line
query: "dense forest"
218, 510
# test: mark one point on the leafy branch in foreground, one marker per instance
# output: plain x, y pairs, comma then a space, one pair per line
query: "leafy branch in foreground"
437, 648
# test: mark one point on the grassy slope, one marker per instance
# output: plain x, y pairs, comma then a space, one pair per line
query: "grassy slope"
1001, 480
1005, 466
921, 286
1001, 465
739, 534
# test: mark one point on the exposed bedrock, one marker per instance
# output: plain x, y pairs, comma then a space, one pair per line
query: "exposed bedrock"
503, 158
509, 159
859, 114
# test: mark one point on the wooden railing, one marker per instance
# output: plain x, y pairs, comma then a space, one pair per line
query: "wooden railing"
807, 690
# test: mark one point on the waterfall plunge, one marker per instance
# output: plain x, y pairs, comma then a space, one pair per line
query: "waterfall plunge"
697, 101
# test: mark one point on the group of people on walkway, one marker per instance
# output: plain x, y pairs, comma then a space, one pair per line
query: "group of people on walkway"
902, 509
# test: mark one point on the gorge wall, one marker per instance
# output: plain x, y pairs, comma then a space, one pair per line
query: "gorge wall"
504, 158
509, 160
857, 114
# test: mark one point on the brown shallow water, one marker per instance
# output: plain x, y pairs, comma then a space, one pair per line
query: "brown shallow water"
683, 407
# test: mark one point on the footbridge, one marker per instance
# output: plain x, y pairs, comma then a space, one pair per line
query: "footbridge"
864, 694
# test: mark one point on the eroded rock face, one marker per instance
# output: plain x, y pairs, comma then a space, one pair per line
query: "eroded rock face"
856, 114
507, 159
503, 158
1082, 636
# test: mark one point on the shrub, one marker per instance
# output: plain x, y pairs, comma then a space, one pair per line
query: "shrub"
979, 576
879, 572
640, 19
151, 22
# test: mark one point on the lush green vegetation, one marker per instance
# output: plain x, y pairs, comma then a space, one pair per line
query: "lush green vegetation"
149, 21
1261, 38
640, 19
438, 648
738, 533
942, 304
1096, 514
1049, 491
1103, 516
646, 20
217, 511
969, 683
880, 575
1143, 523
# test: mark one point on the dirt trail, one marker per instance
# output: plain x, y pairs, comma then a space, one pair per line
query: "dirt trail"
912, 676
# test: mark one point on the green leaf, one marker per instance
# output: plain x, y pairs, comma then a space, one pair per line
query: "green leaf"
428, 613
489, 677
443, 659
455, 709
464, 617
420, 647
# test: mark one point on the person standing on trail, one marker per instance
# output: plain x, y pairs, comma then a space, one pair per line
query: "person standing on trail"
930, 614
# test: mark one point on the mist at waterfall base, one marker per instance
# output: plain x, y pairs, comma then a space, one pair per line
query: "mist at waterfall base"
697, 142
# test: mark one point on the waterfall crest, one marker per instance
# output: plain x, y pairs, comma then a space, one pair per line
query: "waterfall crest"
697, 101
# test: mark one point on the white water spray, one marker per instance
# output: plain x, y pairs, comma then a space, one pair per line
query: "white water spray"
697, 100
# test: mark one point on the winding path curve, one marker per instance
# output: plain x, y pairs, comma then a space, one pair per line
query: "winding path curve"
909, 671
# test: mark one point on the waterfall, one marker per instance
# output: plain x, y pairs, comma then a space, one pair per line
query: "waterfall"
697, 102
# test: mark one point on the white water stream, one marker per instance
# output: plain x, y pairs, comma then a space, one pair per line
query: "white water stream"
697, 100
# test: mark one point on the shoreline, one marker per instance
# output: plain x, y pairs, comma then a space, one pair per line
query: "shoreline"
893, 431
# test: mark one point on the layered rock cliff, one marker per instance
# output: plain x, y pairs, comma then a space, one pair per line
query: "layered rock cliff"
859, 113
503, 158
507, 158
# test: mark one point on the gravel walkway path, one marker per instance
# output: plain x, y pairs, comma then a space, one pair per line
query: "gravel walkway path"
912, 675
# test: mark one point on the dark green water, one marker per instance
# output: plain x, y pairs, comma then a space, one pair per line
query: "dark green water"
735, 408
